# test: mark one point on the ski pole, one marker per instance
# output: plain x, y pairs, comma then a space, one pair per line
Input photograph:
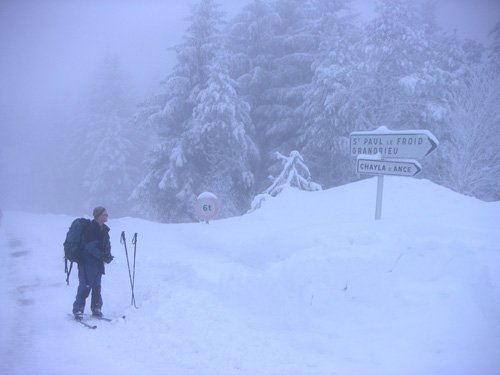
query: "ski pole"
124, 242
134, 242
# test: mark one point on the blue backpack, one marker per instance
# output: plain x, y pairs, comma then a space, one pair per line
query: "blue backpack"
74, 243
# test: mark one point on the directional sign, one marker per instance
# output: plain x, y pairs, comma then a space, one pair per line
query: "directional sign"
388, 167
388, 152
407, 144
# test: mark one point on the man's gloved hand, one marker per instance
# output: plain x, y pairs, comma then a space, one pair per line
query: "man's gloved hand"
107, 257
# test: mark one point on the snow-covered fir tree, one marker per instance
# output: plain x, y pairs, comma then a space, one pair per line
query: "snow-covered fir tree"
107, 151
249, 37
294, 50
203, 129
219, 141
167, 193
277, 41
294, 173
334, 101
450, 65
250, 40
396, 50
470, 154
295, 44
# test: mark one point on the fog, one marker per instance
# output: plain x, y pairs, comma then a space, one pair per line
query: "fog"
50, 51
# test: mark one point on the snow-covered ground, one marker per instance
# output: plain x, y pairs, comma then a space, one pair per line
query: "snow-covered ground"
308, 284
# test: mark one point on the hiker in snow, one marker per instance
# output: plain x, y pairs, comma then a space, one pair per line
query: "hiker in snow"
96, 252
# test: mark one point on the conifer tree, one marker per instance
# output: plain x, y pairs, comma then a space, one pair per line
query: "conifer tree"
469, 157
219, 139
168, 190
396, 51
333, 102
251, 41
107, 151
202, 127
295, 44
294, 173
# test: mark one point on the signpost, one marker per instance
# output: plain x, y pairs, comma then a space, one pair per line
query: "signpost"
207, 206
390, 152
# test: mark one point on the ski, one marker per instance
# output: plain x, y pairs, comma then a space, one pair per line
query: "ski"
89, 326
106, 319
82, 322
101, 318
86, 317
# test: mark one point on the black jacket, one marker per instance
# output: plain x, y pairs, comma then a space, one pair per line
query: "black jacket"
96, 243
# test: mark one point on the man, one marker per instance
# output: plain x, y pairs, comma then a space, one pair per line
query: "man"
96, 252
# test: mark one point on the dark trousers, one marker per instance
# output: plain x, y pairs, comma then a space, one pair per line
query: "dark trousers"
89, 278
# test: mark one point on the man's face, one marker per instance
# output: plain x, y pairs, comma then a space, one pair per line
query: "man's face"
102, 218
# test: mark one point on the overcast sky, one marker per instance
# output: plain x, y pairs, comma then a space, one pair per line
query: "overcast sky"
51, 47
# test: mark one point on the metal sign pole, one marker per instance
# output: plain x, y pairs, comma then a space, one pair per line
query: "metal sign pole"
380, 191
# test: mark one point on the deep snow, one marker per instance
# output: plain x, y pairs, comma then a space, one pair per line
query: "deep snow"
308, 284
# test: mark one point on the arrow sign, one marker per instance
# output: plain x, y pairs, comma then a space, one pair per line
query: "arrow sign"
407, 168
406, 144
